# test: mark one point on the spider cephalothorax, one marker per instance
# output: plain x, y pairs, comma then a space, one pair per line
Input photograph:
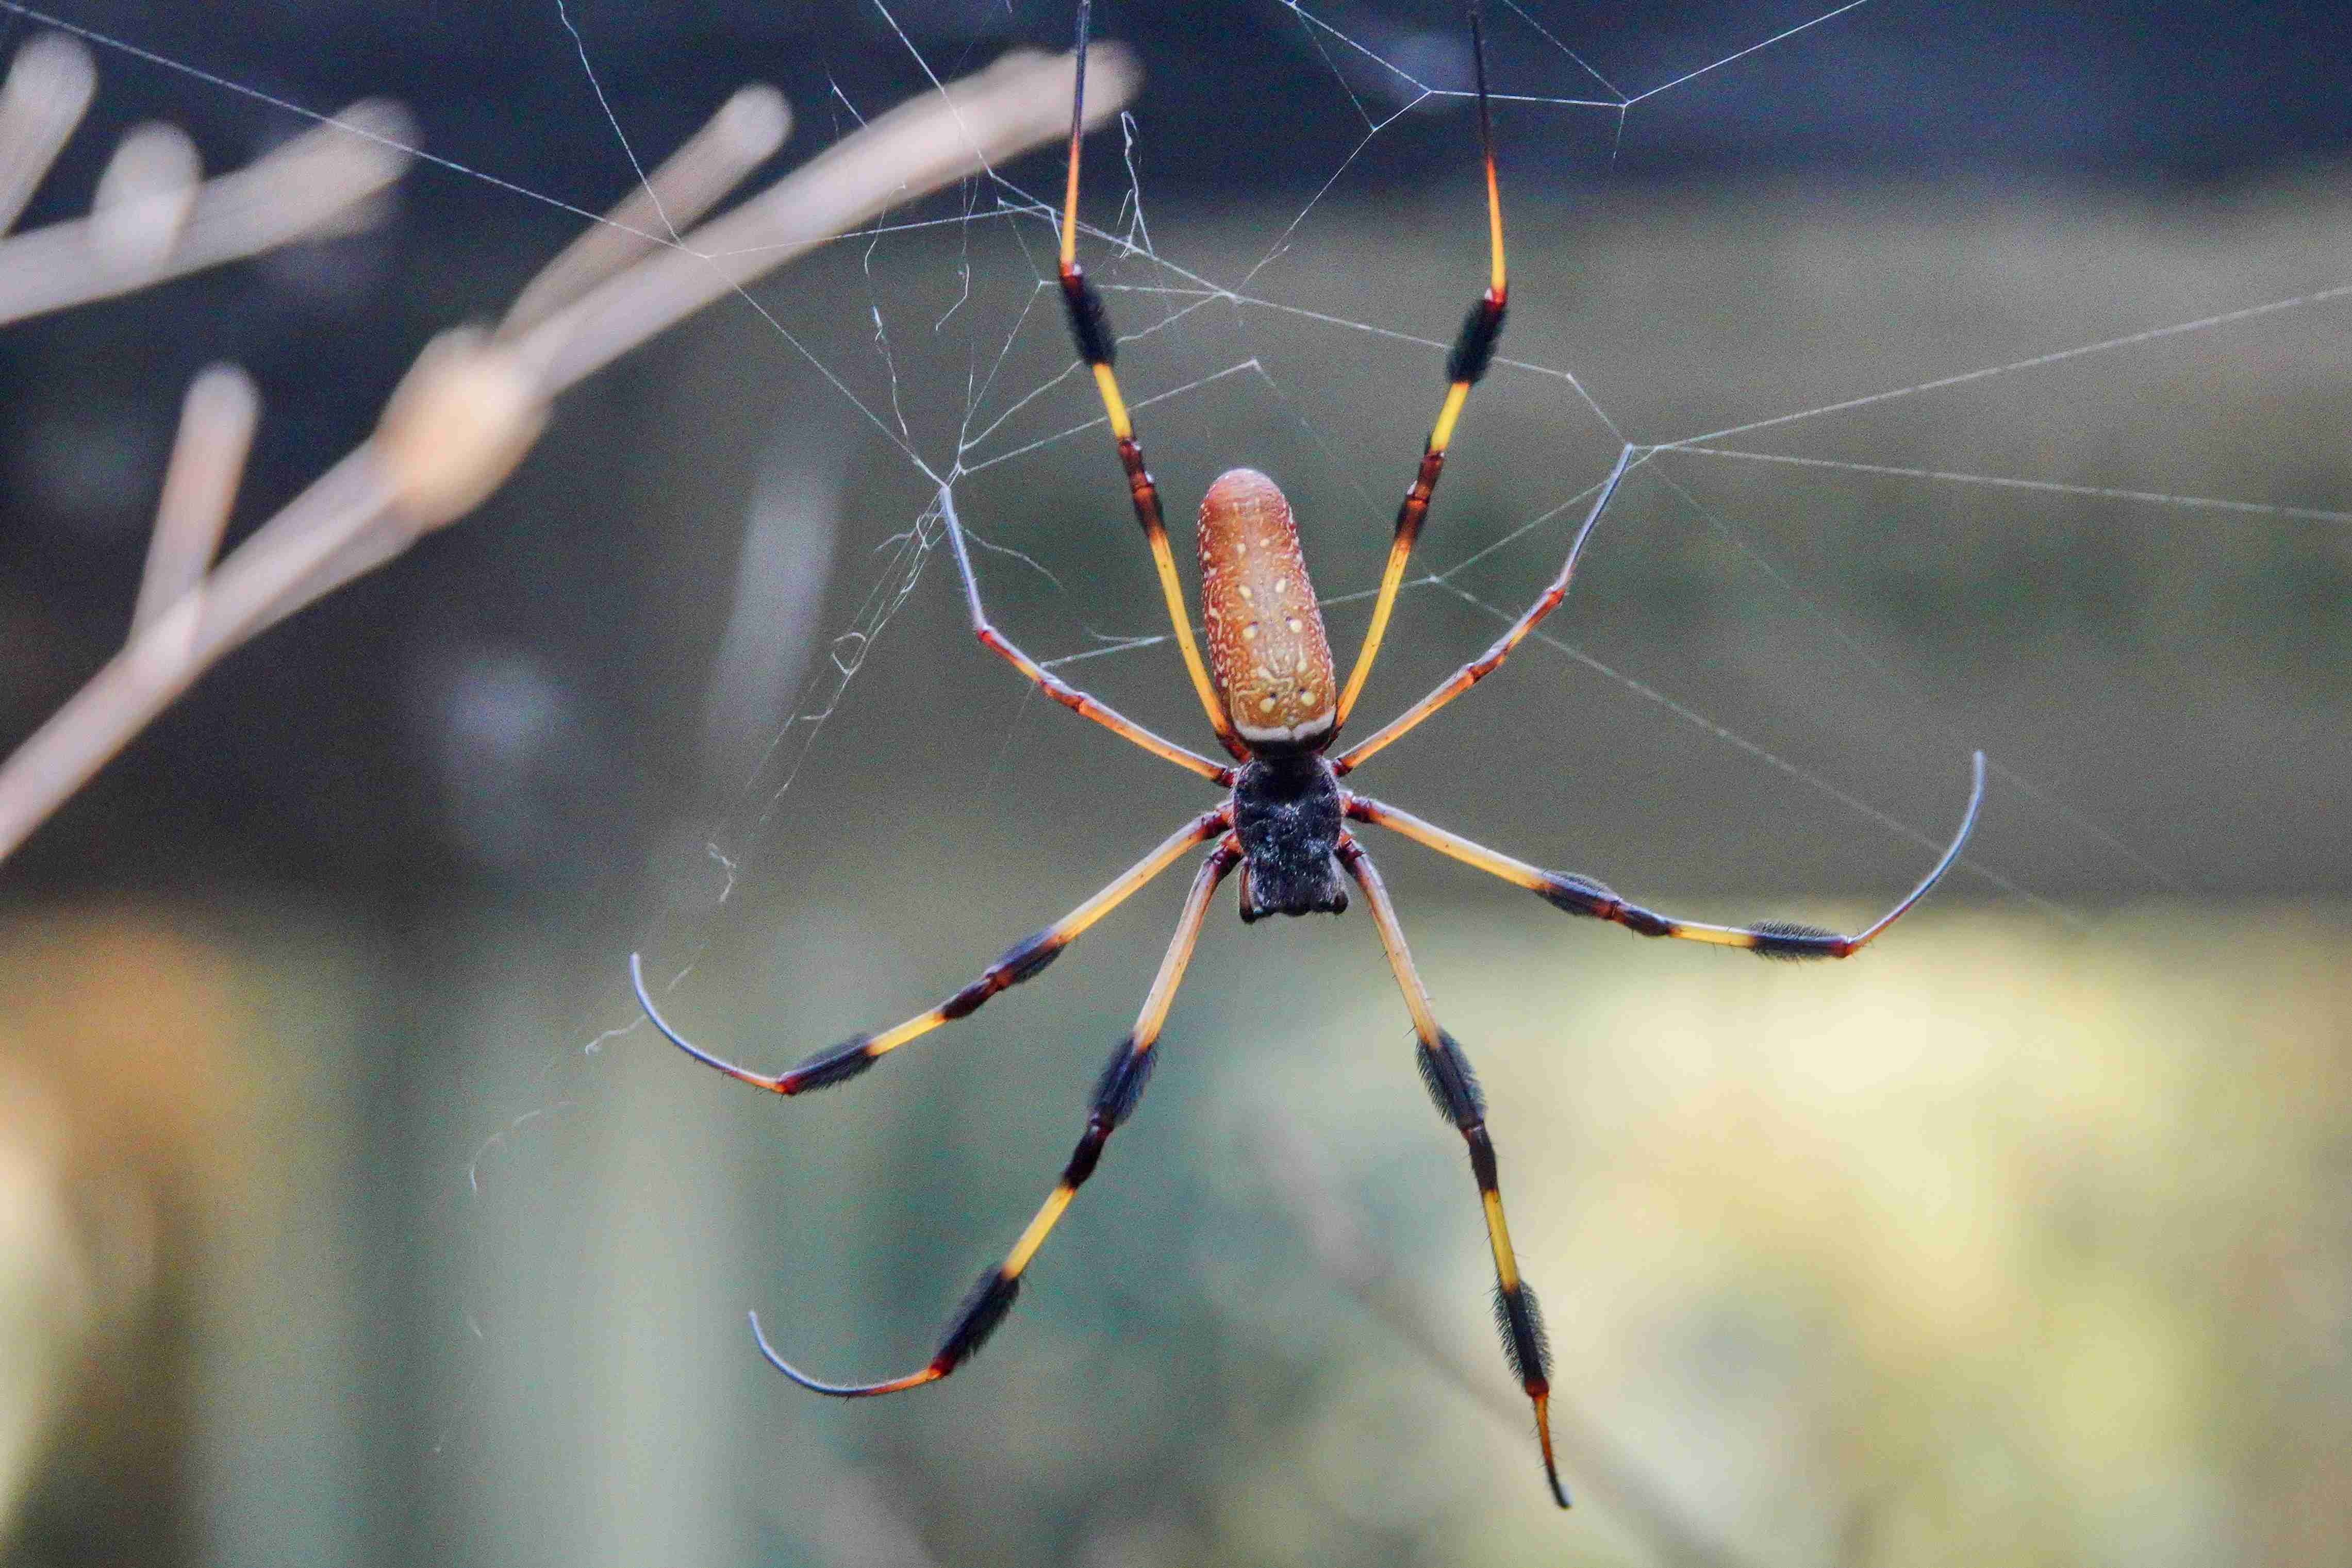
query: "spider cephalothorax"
1270, 694
1286, 815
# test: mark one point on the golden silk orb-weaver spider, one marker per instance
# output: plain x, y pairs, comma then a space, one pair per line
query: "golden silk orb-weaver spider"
1271, 694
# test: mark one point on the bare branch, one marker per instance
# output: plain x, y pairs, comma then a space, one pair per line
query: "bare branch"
145, 200
307, 186
48, 88
199, 487
739, 138
1020, 102
472, 406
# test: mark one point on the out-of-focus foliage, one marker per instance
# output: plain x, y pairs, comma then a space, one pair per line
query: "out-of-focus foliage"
2006, 1246
2009, 1244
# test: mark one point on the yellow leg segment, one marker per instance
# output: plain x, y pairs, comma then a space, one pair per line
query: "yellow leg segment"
1090, 330
1486, 663
1447, 1073
1473, 350
1023, 959
1575, 894
1115, 1096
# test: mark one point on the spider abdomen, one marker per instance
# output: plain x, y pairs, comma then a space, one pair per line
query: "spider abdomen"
1266, 644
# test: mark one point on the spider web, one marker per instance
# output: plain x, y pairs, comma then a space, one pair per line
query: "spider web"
1189, 315
1279, 345
999, 424
1825, 747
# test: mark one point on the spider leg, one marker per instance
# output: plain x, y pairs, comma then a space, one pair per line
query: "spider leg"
1446, 1071
1582, 895
1024, 958
1487, 663
1090, 329
1473, 350
1052, 685
1114, 1094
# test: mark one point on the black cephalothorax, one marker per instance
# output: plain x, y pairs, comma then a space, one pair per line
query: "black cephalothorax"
1286, 815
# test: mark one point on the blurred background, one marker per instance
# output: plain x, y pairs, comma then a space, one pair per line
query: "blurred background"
351, 1216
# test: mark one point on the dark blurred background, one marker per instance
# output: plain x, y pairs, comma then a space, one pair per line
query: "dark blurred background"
2012, 1244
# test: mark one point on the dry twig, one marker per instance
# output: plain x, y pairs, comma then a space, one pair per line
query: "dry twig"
154, 219
475, 402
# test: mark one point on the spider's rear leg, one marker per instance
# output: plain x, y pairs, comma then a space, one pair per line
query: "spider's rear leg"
1582, 895
1446, 1071
1115, 1096
837, 1064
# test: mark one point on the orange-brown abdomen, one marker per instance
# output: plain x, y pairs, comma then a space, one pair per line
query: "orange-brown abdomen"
1266, 646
